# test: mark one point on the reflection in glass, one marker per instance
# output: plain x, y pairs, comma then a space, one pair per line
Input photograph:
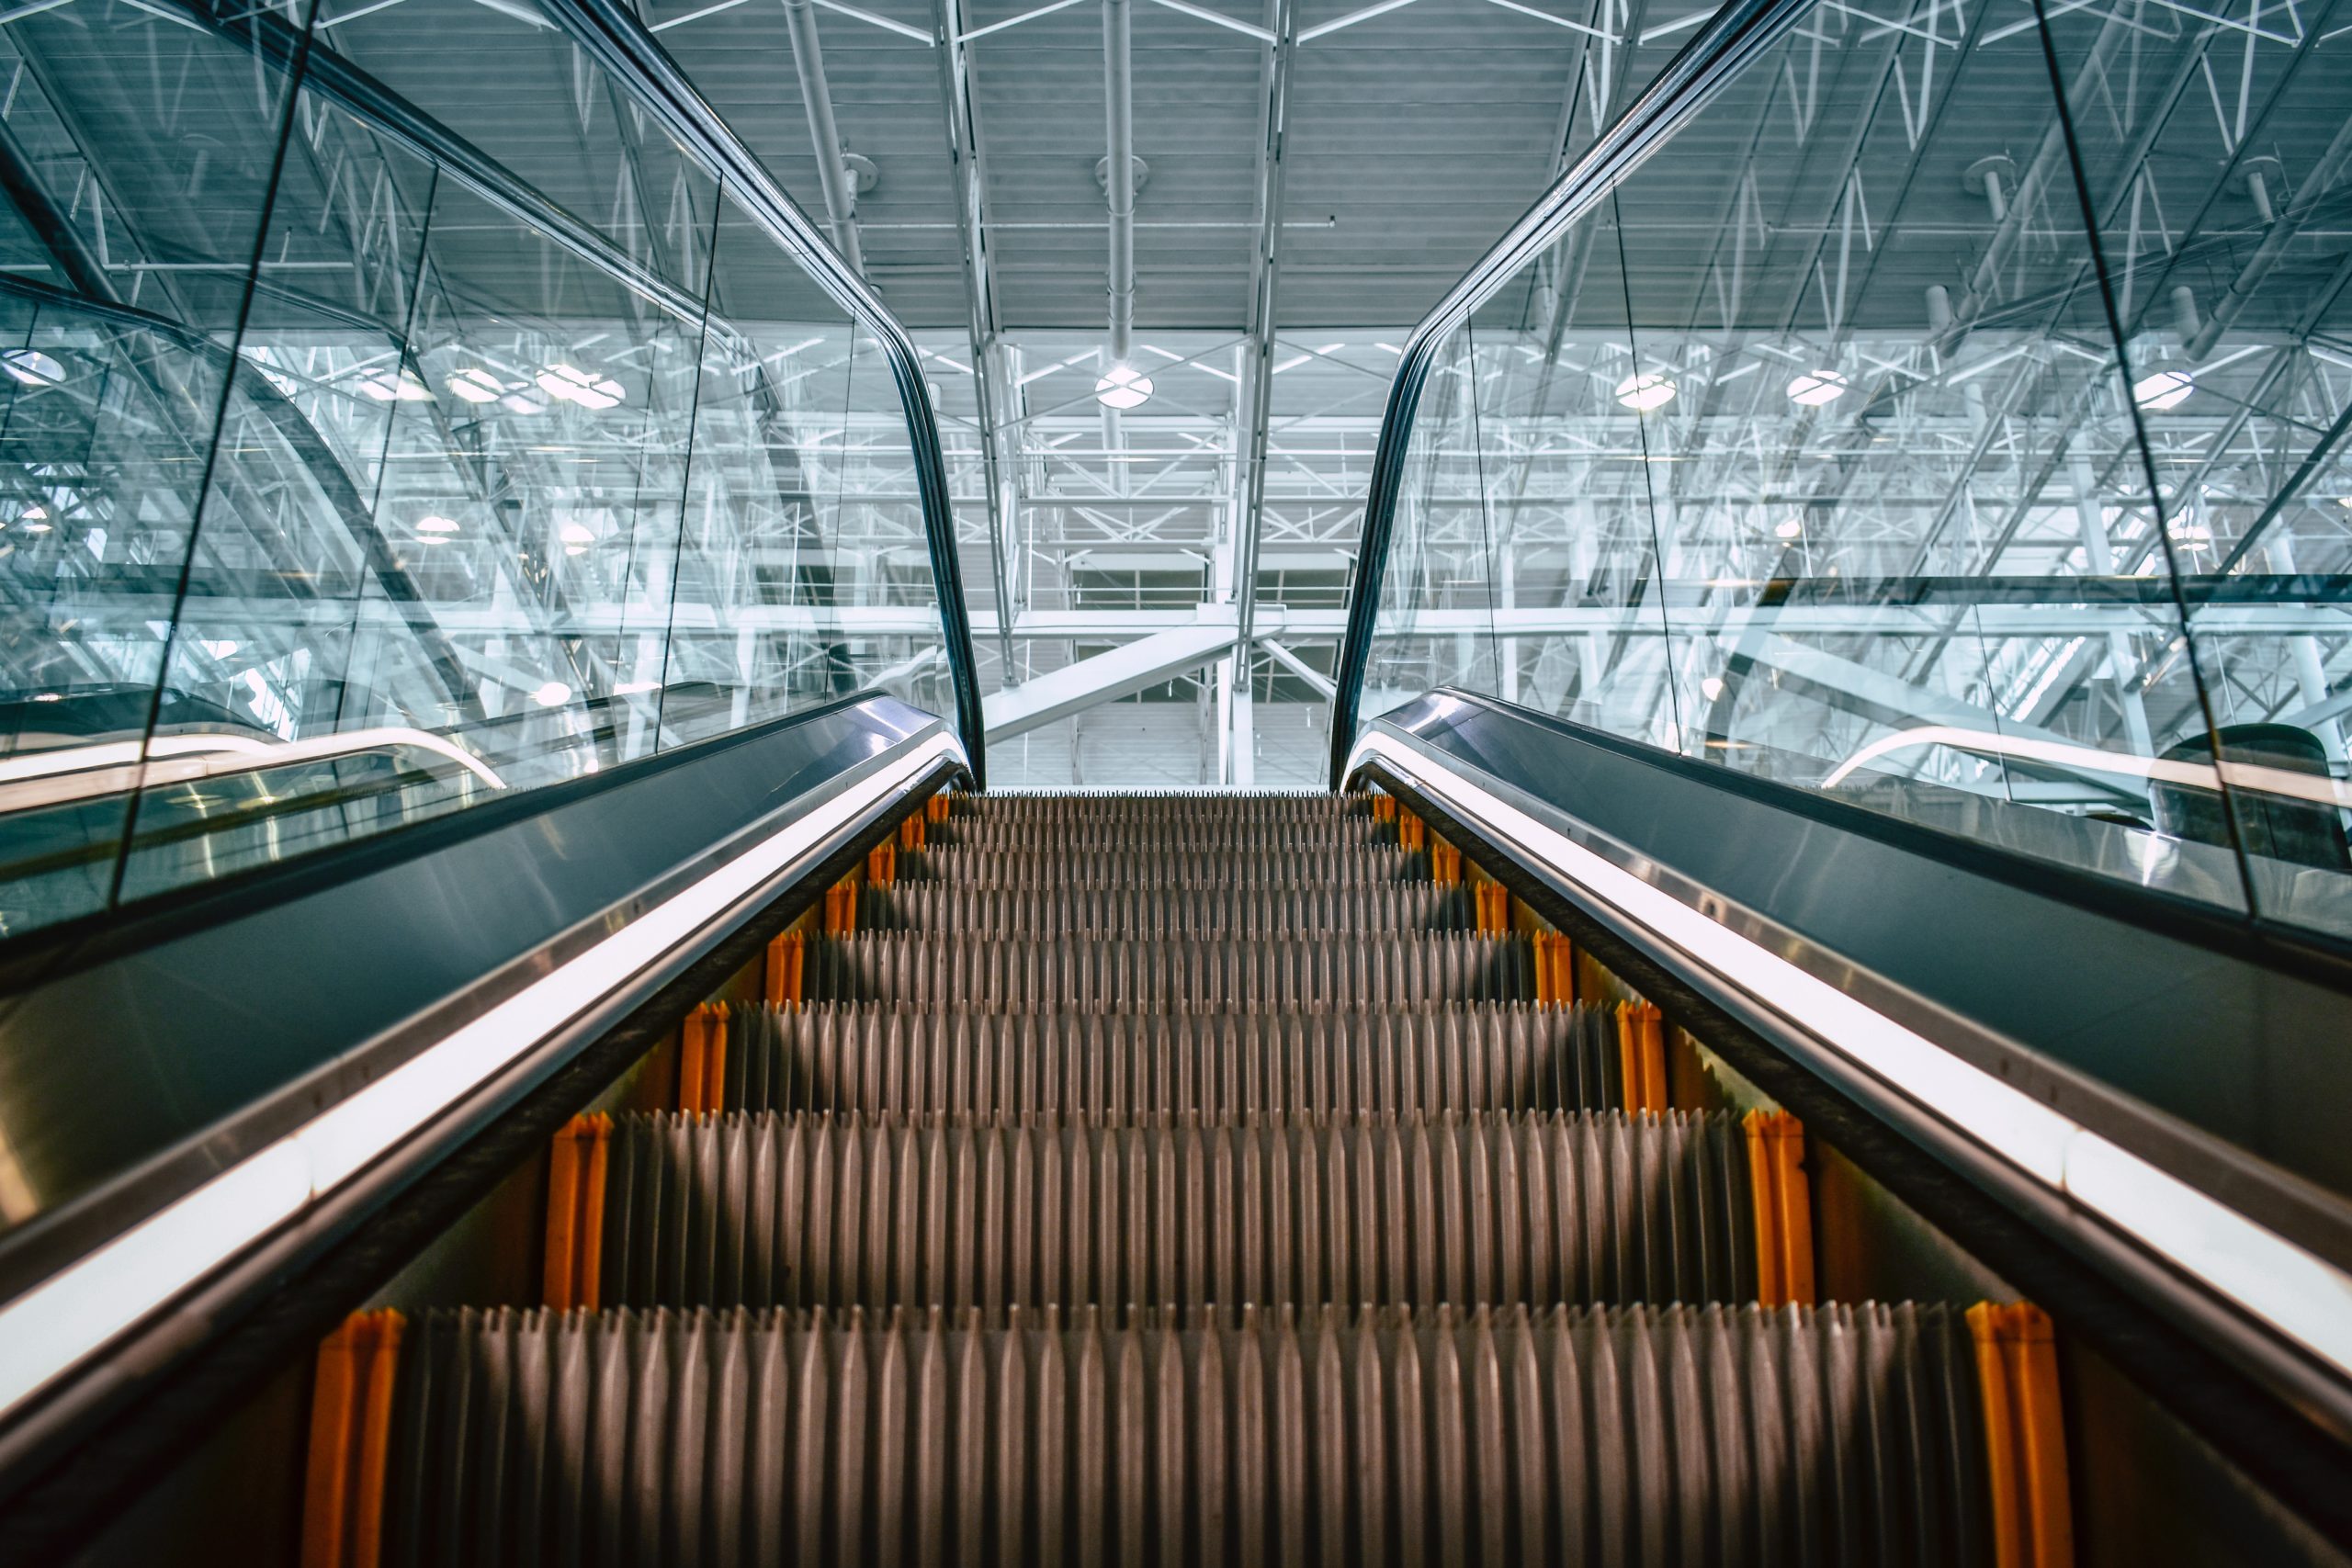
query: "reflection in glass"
1812, 451
497, 495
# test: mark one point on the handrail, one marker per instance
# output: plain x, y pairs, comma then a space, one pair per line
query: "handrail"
610, 32
1718, 52
612, 35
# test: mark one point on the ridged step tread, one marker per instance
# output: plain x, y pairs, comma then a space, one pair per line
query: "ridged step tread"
881, 1056
1233, 909
819, 1210
925, 969
1724, 1436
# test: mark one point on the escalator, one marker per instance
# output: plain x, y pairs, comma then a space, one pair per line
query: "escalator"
1040, 1210
732, 1132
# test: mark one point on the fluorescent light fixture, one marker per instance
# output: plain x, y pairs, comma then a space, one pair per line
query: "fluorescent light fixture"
1814, 387
1645, 391
1122, 387
1789, 528
49, 697
31, 367
435, 526
77, 1311
2301, 1295
584, 388
477, 386
391, 385
554, 694
2164, 389
34, 525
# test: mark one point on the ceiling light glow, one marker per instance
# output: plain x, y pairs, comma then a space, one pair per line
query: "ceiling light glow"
1815, 388
477, 386
1789, 528
554, 694
581, 387
574, 534
435, 526
390, 386
1713, 687
1645, 391
1122, 387
32, 367
2164, 389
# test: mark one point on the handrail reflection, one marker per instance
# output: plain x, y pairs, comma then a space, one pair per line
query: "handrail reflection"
86, 772
2313, 787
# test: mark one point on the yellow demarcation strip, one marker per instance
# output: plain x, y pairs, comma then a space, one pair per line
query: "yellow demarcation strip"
911, 832
1412, 833
702, 1059
788, 954
1782, 1197
882, 863
1555, 969
935, 809
351, 1429
1445, 862
575, 1243
1494, 908
1641, 1056
2025, 1439
1384, 808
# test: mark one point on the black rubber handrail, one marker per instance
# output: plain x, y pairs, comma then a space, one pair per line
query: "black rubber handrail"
1720, 49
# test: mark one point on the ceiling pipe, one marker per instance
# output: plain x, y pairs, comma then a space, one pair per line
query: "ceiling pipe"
1119, 176
2275, 240
832, 166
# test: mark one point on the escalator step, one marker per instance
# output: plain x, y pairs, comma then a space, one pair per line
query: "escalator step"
926, 969
817, 1210
1158, 837
1450, 1056
1047, 809
1726, 1435
1039, 863
1294, 909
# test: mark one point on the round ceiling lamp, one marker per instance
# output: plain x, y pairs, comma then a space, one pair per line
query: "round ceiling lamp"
1122, 387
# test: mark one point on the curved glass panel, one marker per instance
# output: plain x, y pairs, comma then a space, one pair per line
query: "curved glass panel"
1814, 450
354, 477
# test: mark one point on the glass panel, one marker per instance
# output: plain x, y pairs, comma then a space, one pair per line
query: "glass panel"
490, 508
1850, 431
1568, 458
2216, 158
144, 152
1435, 626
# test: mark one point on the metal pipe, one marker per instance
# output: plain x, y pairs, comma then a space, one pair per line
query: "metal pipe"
1119, 176
2275, 240
832, 170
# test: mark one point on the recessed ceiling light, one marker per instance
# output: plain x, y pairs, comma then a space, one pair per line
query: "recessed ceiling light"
436, 526
387, 386
1712, 686
554, 694
2164, 389
574, 534
1815, 388
584, 388
477, 386
1122, 387
1789, 528
1645, 391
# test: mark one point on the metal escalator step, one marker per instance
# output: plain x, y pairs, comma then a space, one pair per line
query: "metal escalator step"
1159, 835
1452, 1056
1635, 1435
1211, 806
1233, 909
1040, 864
924, 968
1201, 1219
